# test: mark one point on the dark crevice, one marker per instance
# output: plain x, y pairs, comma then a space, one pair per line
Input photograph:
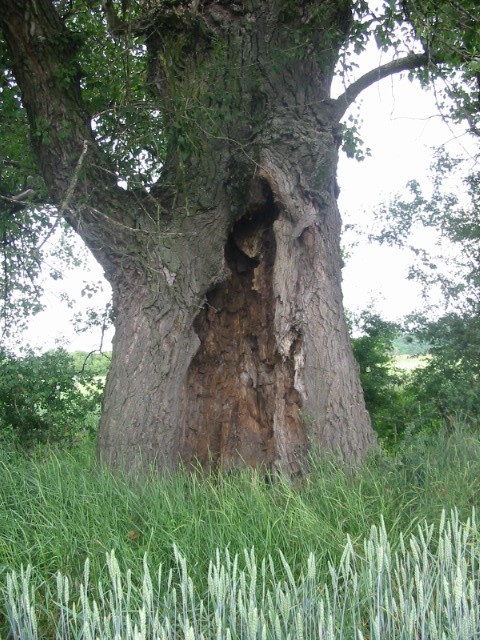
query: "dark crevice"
237, 375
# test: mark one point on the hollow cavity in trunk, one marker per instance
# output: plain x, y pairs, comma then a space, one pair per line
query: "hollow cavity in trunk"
240, 383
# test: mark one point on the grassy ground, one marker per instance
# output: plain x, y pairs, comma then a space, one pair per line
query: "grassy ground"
409, 363
59, 509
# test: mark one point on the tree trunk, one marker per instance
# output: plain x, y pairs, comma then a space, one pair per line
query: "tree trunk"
231, 346
249, 361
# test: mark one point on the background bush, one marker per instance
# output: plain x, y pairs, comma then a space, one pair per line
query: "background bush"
387, 395
444, 386
448, 385
47, 398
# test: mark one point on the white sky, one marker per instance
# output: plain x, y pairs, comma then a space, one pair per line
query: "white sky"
400, 126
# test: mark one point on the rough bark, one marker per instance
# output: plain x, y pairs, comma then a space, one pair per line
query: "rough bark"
231, 345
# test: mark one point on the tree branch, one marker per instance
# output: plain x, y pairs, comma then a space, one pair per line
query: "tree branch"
116, 25
20, 197
411, 61
42, 53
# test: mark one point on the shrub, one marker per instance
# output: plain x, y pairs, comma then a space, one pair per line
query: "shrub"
449, 384
383, 386
43, 398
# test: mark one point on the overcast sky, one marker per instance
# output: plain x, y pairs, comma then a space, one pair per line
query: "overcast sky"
401, 126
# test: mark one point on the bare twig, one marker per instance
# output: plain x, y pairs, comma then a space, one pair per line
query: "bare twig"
73, 182
68, 195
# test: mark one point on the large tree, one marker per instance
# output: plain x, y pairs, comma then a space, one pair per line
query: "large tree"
193, 146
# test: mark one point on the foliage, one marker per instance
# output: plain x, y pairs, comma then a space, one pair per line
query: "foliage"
452, 264
428, 588
18, 228
30, 235
450, 33
444, 387
45, 398
58, 509
34, 241
383, 385
93, 364
110, 43
449, 383
128, 124
408, 345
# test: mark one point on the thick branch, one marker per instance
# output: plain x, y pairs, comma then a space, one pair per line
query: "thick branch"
43, 51
20, 197
412, 61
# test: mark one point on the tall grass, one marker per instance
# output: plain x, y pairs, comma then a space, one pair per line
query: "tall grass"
60, 510
429, 589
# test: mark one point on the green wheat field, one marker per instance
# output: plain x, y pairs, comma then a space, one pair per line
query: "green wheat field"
390, 550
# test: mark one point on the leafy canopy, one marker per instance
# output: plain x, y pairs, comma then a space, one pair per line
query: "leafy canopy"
131, 129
